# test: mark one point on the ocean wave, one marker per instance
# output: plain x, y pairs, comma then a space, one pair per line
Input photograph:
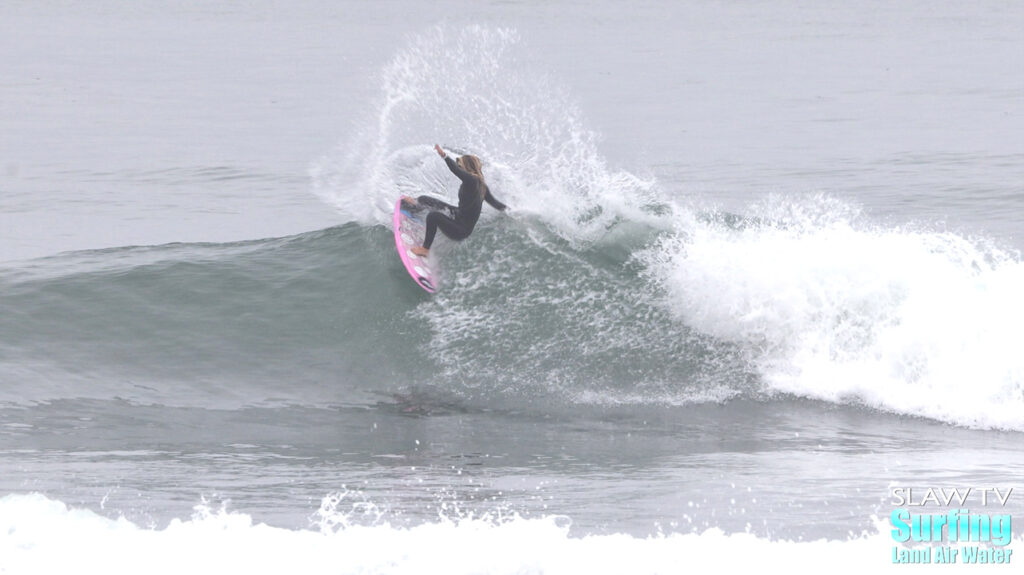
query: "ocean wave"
804, 297
603, 288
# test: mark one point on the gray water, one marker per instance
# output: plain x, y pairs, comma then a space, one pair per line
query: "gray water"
201, 301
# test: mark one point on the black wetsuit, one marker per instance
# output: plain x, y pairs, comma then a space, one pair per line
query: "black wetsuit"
457, 222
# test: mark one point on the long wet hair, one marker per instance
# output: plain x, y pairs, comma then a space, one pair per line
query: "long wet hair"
471, 164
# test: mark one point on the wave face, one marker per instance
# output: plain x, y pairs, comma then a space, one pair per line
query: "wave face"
602, 287
208, 324
326, 316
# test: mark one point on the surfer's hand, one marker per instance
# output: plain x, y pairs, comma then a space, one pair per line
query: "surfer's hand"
440, 152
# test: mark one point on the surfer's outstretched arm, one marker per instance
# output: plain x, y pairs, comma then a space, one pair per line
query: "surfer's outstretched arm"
490, 199
458, 171
467, 177
454, 166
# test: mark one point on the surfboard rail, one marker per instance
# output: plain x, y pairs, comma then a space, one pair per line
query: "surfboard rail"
409, 231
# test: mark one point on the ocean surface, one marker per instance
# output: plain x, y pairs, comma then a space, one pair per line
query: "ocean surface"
762, 267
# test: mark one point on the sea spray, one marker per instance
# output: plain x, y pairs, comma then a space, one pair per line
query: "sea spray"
466, 87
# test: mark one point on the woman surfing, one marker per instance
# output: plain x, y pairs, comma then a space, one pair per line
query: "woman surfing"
457, 222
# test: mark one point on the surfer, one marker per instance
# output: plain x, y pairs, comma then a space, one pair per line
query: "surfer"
457, 222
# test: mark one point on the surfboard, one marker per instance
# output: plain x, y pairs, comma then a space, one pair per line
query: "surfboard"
410, 227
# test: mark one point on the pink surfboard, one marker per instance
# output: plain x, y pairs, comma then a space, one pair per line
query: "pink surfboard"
410, 228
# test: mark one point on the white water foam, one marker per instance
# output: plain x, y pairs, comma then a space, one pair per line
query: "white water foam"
827, 306
40, 535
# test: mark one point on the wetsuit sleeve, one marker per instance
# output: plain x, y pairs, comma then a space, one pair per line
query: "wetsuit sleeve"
462, 174
490, 199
